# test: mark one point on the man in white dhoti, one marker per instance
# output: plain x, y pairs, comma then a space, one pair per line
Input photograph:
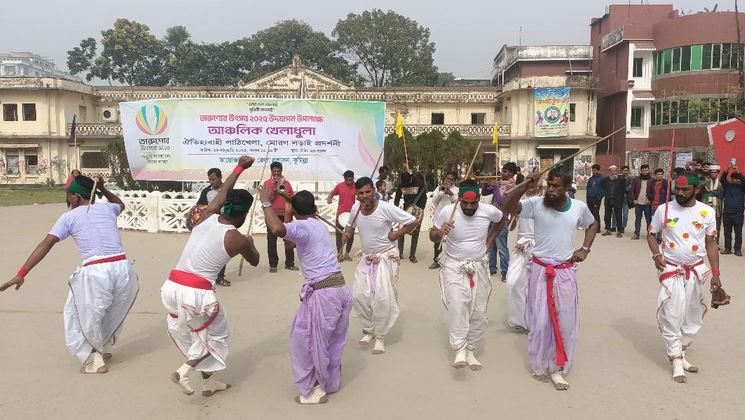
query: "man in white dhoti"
103, 287
375, 288
517, 273
690, 236
464, 269
197, 323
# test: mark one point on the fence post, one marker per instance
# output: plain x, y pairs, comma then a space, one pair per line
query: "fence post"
152, 207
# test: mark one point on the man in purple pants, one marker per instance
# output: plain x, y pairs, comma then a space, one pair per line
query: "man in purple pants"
552, 309
319, 330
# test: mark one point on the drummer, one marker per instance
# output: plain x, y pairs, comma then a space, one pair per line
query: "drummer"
347, 193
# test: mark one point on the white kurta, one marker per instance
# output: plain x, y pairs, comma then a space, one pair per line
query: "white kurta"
375, 291
681, 307
98, 302
517, 274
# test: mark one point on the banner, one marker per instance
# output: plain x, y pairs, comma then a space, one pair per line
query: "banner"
551, 112
180, 139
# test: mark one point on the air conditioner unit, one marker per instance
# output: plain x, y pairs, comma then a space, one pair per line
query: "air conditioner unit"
110, 114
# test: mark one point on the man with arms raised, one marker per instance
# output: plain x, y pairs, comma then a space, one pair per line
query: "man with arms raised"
689, 234
376, 279
464, 269
196, 322
552, 310
319, 331
103, 287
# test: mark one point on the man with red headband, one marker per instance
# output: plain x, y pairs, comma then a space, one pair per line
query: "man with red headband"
552, 309
103, 287
688, 229
464, 269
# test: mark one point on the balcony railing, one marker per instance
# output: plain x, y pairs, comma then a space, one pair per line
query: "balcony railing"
113, 129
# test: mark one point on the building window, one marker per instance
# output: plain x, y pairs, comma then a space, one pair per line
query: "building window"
93, 160
685, 58
696, 57
667, 61
32, 163
82, 114
676, 59
637, 116
9, 70
572, 112
654, 63
478, 118
683, 112
438, 118
716, 56
12, 162
10, 112
674, 112
706, 57
638, 67
29, 112
727, 56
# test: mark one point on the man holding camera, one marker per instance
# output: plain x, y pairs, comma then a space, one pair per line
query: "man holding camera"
280, 198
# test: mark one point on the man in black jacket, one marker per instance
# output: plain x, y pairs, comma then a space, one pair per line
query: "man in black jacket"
214, 175
615, 192
733, 208
409, 187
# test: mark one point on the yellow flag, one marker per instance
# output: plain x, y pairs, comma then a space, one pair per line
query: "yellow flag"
399, 125
495, 134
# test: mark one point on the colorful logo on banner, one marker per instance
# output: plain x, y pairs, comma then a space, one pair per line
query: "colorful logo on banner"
151, 120
551, 112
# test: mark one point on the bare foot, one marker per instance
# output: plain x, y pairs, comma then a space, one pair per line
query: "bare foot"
473, 363
679, 375
317, 396
559, 382
460, 359
687, 366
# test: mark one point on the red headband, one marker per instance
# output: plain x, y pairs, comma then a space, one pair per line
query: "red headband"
470, 195
681, 180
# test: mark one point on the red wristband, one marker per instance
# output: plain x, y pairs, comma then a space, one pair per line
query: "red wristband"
22, 272
238, 169
715, 271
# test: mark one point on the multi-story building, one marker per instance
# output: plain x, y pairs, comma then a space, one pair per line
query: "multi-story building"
35, 143
25, 64
656, 67
520, 73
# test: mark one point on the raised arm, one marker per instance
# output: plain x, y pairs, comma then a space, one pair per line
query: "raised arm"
110, 196
244, 162
275, 226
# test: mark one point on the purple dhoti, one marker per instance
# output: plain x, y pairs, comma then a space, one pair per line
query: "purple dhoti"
542, 347
318, 336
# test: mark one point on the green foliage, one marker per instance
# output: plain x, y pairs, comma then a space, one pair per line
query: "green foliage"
119, 165
392, 49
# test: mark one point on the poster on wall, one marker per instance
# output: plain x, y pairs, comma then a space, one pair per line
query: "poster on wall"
551, 112
179, 140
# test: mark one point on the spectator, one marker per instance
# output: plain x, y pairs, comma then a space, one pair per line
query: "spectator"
280, 201
713, 195
347, 196
615, 190
657, 190
733, 208
499, 191
214, 176
595, 192
642, 200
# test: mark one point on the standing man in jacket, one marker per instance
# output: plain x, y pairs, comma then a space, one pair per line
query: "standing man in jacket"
641, 199
595, 192
733, 187
615, 190
409, 188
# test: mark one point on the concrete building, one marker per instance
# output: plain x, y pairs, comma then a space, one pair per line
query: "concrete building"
653, 64
35, 144
25, 64
518, 73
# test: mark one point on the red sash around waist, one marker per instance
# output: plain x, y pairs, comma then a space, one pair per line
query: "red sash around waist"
189, 280
561, 356
681, 269
106, 260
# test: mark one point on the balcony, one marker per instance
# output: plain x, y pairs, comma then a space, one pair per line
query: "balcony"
113, 129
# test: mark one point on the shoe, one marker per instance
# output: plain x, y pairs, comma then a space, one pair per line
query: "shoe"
316, 396
619, 235
221, 281
434, 266
460, 359
379, 347
606, 233
738, 253
504, 277
492, 273
726, 252
272, 269
348, 258
413, 259
366, 338
635, 237
211, 386
291, 268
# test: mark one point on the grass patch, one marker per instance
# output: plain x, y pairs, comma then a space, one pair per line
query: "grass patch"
26, 196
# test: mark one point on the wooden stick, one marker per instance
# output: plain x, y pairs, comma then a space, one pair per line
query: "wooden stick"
253, 211
470, 168
667, 195
321, 218
93, 194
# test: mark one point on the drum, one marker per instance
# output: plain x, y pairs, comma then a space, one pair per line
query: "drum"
343, 218
194, 216
415, 211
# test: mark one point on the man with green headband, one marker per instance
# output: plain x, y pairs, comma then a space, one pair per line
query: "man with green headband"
103, 287
196, 322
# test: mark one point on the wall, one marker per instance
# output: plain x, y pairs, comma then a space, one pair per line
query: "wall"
699, 28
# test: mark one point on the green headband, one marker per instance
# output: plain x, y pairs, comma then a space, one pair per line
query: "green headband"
231, 209
76, 188
465, 188
689, 180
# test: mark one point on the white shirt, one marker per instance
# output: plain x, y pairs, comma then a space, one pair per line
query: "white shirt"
525, 229
375, 227
440, 199
467, 239
554, 229
687, 228
204, 253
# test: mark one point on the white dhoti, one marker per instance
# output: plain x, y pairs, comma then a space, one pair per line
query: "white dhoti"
375, 291
681, 307
465, 287
517, 283
197, 324
101, 294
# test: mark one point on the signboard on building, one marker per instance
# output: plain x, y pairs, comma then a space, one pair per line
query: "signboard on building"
611, 39
179, 140
682, 158
551, 112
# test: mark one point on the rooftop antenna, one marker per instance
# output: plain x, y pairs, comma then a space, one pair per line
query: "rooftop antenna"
520, 41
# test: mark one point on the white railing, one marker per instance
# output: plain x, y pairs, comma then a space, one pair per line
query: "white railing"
166, 211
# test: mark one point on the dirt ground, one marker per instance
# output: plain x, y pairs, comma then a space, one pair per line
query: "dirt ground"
621, 369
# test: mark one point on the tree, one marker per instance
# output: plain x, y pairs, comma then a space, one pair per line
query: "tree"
393, 50
273, 48
130, 55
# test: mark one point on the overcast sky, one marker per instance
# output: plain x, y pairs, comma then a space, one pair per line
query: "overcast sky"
467, 33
